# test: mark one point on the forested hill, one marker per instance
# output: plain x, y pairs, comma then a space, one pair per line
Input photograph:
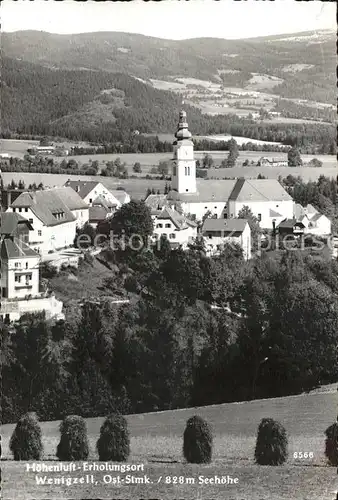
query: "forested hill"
204, 58
99, 106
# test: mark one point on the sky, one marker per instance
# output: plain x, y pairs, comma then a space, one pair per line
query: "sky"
172, 19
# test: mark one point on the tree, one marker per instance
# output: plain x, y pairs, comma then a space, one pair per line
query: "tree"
246, 213
207, 161
133, 221
163, 168
315, 163
137, 168
294, 159
233, 154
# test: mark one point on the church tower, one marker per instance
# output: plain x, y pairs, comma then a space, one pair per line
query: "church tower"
183, 178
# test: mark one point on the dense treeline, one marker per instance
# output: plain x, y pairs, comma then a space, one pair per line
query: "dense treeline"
70, 103
269, 326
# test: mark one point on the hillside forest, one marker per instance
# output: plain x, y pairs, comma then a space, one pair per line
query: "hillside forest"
198, 330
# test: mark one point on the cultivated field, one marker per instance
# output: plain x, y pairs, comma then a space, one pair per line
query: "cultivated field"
156, 442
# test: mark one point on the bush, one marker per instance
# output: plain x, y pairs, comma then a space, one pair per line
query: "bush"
197, 441
331, 444
73, 444
26, 443
114, 442
272, 443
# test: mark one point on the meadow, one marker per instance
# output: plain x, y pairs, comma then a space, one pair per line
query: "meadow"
156, 442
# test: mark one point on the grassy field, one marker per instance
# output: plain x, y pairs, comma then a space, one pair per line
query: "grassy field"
156, 442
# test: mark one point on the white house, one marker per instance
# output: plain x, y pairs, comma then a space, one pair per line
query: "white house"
19, 279
89, 191
75, 203
54, 225
266, 198
217, 232
314, 222
177, 228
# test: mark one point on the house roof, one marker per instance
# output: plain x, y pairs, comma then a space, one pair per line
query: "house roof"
290, 223
121, 195
9, 222
310, 209
316, 217
100, 200
13, 248
98, 213
83, 188
207, 191
44, 204
258, 190
153, 201
225, 225
179, 220
70, 198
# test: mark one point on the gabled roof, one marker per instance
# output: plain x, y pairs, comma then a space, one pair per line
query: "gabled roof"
44, 204
83, 188
13, 248
70, 198
316, 217
179, 220
227, 226
9, 222
101, 201
98, 213
258, 190
156, 201
310, 209
207, 192
290, 223
121, 195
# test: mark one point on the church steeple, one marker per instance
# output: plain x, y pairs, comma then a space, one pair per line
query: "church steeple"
182, 131
183, 163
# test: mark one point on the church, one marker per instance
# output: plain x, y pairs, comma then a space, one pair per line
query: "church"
194, 198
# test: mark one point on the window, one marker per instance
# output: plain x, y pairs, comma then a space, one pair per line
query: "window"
13, 209
20, 209
174, 171
30, 220
172, 236
90, 200
168, 225
17, 279
26, 209
39, 233
188, 170
185, 171
17, 264
159, 225
26, 265
29, 276
259, 217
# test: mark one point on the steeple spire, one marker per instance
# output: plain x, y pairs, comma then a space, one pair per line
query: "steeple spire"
182, 131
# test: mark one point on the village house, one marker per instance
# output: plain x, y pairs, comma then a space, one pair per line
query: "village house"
314, 222
54, 224
272, 162
178, 229
19, 278
218, 232
91, 191
75, 203
290, 227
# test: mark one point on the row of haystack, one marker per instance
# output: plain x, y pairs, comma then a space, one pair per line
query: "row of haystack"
114, 441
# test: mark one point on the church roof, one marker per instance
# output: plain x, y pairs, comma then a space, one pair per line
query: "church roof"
258, 190
207, 191
182, 131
